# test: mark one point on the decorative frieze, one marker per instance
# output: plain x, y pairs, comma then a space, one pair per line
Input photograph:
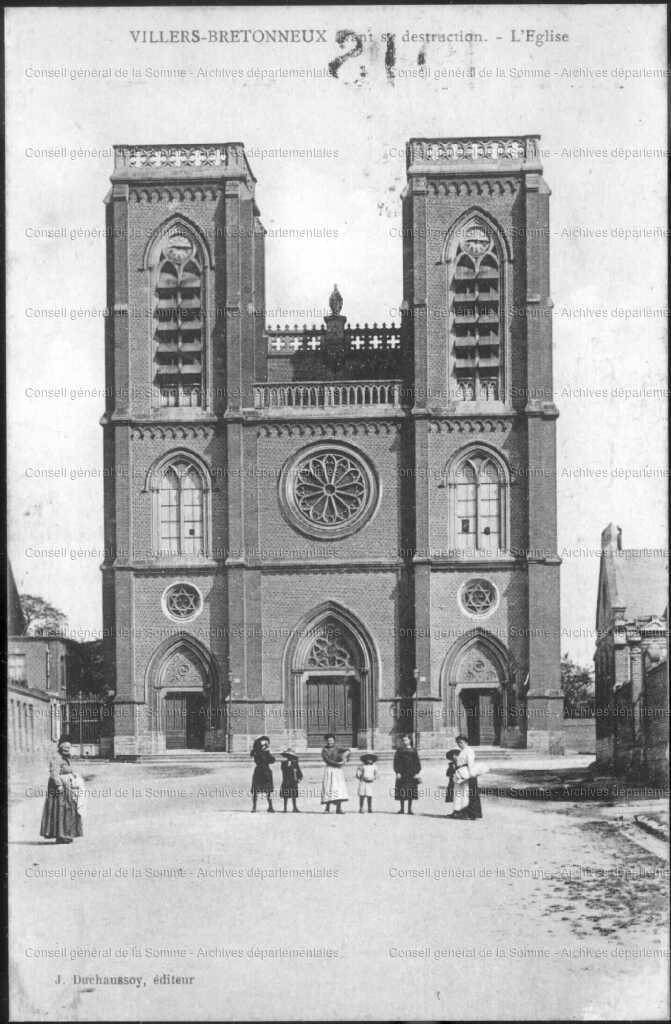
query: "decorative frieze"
171, 432
348, 429
469, 425
174, 193
473, 187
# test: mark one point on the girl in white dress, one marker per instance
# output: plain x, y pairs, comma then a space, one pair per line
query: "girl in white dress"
366, 773
334, 787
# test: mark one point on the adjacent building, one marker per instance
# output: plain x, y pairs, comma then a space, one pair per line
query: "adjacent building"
38, 670
338, 527
631, 661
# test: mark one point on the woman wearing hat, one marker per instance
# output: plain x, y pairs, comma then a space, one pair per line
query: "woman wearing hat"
291, 776
63, 807
366, 773
466, 794
451, 756
407, 767
262, 779
334, 787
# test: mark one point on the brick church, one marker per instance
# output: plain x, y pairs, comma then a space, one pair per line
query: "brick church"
338, 527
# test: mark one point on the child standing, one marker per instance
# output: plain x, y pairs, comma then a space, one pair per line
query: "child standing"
366, 773
262, 779
291, 776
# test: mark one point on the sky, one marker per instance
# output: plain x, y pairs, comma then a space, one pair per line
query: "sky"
589, 79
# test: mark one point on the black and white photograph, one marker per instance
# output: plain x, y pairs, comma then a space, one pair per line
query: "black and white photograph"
337, 473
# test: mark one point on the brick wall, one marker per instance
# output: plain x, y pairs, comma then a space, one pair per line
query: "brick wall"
656, 724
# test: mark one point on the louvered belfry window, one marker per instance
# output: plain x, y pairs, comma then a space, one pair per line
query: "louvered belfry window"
475, 316
178, 316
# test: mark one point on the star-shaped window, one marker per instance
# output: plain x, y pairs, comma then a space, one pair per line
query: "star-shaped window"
182, 601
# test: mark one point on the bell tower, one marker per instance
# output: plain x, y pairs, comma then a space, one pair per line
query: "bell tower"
479, 365
185, 271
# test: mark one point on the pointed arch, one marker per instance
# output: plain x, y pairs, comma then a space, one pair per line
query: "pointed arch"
194, 652
495, 650
175, 224
180, 667
330, 641
456, 231
480, 663
478, 260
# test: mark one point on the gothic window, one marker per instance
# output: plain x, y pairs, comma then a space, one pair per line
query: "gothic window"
478, 503
179, 322
328, 650
476, 340
181, 510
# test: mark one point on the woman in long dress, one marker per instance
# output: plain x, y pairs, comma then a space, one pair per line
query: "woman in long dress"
451, 756
262, 779
466, 794
334, 787
407, 767
64, 804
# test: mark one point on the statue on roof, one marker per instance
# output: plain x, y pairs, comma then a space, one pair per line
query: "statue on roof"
335, 301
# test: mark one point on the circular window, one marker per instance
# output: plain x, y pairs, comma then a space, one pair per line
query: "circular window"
478, 597
178, 248
328, 491
182, 602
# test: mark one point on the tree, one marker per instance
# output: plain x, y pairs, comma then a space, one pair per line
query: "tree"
577, 685
92, 667
42, 619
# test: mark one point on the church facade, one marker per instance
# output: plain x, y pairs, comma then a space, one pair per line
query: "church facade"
332, 528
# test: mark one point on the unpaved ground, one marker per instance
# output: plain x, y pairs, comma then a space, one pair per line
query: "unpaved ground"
537, 911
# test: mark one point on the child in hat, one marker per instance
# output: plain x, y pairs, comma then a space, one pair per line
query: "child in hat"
366, 773
291, 776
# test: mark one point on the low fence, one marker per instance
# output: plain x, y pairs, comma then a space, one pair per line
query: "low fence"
87, 723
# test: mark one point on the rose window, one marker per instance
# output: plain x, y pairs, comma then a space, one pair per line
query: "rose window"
330, 491
182, 601
479, 597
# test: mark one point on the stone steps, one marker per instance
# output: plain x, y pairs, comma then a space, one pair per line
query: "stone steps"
310, 756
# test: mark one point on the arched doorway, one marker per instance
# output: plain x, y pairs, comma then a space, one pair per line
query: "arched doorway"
181, 676
330, 680
477, 674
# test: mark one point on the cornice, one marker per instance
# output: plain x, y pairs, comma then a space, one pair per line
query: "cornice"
335, 428
454, 187
182, 193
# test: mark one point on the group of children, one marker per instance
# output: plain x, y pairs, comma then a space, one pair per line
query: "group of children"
333, 789
462, 774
